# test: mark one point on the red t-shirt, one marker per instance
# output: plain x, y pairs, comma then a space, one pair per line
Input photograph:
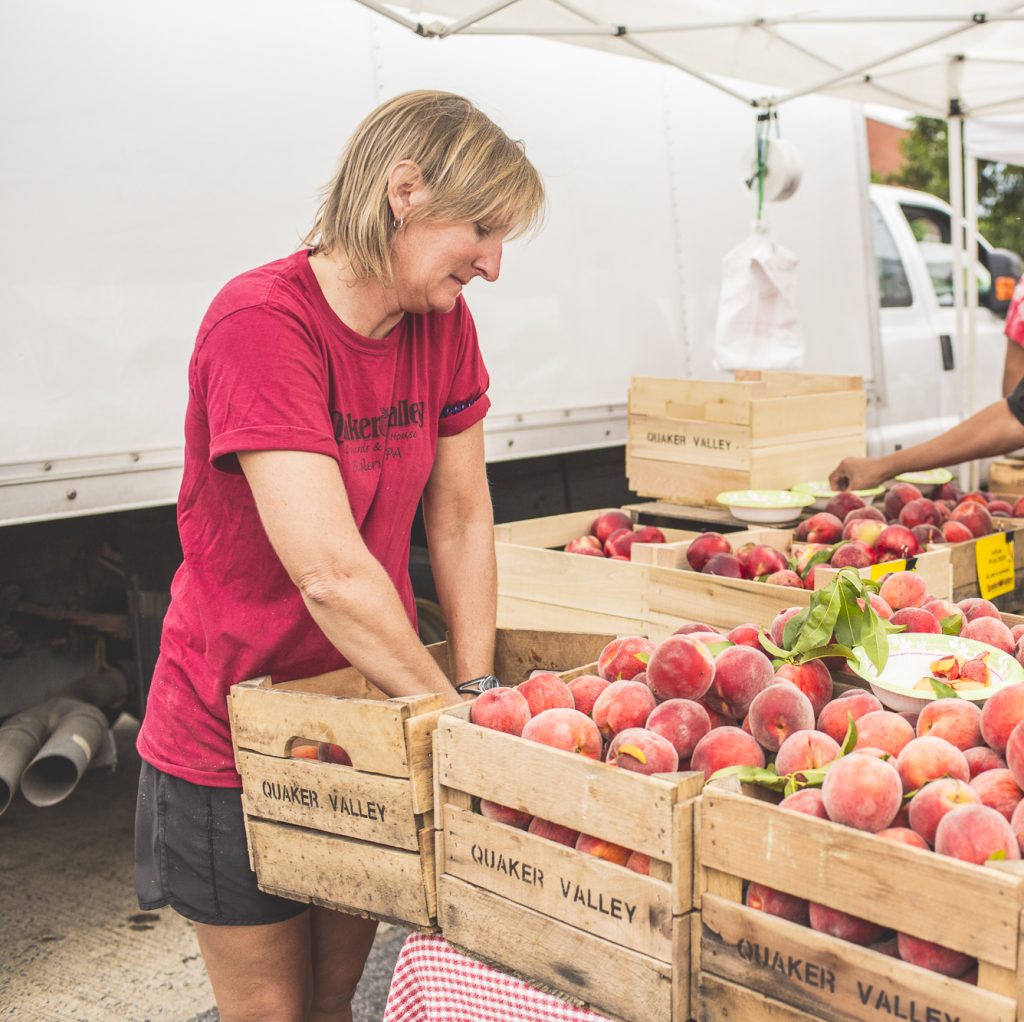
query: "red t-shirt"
274, 368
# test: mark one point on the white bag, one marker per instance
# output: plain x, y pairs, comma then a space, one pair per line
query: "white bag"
757, 324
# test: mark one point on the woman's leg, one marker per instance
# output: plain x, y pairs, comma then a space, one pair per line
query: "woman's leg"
341, 945
258, 973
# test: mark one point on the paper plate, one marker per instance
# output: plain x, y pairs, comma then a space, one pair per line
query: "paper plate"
910, 659
823, 493
936, 477
765, 506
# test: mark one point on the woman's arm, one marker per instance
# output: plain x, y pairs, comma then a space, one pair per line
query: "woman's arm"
1013, 366
992, 431
305, 511
460, 533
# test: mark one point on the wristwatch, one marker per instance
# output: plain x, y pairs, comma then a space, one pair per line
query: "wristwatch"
477, 685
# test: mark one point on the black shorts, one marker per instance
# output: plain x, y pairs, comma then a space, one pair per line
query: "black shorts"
190, 853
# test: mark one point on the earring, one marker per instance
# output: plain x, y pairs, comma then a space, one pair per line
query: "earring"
399, 223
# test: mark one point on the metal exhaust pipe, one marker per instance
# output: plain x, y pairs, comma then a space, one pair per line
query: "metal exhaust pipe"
58, 766
20, 739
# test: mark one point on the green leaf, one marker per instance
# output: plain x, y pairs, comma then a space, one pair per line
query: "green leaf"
952, 625
643, 657
765, 777
832, 649
942, 690
850, 741
821, 619
998, 856
794, 627
778, 651
818, 557
714, 648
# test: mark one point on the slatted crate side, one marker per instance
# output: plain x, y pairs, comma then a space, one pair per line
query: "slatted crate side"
779, 383
906, 889
554, 531
665, 480
716, 401
517, 612
359, 877
818, 416
965, 564
716, 999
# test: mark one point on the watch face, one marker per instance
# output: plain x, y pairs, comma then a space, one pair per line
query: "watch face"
477, 685
489, 681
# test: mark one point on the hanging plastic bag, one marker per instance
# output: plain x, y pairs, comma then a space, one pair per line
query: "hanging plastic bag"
757, 324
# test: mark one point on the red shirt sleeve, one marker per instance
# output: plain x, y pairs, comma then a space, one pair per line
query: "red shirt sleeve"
1015, 315
467, 401
263, 382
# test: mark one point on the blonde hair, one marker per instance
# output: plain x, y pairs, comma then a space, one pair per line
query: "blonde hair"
473, 169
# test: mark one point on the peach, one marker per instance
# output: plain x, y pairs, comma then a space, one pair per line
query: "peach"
834, 718
545, 691
805, 750
553, 832
642, 752
1017, 825
974, 516
820, 528
896, 542
704, 547
1002, 712
787, 577
948, 491
886, 947
777, 903
740, 673
746, 635
843, 925
975, 607
862, 792
1017, 631
812, 678
956, 720
1018, 652
853, 554
567, 729
302, 749
998, 790
898, 495
902, 818
933, 956
624, 657
981, 758
622, 705
990, 630
904, 589
883, 729
904, 836
1002, 508
717, 719
956, 532
620, 543
725, 565
843, 503
978, 496
649, 534
870, 512
680, 668
505, 814
589, 546
974, 833
501, 709
725, 747
692, 627
863, 530
914, 619
682, 722
585, 689
920, 511
1015, 753
1018, 508
927, 534
603, 849
943, 609
808, 801
926, 759
764, 560
777, 711
331, 753
879, 606
604, 525
777, 630
638, 862
936, 799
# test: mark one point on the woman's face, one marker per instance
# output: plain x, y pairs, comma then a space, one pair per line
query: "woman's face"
433, 262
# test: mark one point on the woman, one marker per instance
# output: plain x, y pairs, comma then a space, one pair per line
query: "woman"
328, 392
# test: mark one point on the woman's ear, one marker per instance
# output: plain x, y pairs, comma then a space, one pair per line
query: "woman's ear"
406, 189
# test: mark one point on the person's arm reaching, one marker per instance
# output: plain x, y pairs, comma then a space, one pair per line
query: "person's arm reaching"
460, 534
305, 511
992, 431
1013, 366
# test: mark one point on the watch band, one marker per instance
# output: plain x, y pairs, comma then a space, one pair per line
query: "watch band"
477, 685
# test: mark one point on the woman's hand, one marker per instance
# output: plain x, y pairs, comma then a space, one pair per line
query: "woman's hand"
858, 474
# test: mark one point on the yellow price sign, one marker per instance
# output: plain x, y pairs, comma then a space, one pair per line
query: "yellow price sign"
994, 557
888, 567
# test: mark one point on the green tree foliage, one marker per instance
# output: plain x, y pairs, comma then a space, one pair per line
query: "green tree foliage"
1000, 185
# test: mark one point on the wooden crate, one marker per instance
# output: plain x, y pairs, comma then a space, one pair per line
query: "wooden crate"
360, 838
541, 585
1006, 475
755, 966
966, 570
598, 932
688, 440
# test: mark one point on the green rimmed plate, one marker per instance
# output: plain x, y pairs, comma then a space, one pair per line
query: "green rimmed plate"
934, 477
910, 657
765, 507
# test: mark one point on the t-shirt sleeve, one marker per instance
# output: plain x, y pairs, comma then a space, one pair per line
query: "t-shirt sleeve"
467, 401
1016, 402
262, 381
1014, 328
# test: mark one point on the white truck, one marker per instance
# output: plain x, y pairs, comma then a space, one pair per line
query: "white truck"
153, 153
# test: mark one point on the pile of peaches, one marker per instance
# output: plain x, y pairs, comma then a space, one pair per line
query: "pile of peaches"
611, 535
851, 534
950, 779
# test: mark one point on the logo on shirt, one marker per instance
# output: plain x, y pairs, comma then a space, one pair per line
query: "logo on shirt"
398, 416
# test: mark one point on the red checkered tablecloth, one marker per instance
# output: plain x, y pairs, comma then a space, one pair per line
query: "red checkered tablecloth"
435, 983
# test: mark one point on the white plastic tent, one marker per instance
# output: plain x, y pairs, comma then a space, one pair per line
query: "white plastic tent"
938, 58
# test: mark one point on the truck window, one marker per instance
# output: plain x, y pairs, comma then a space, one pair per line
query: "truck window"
893, 286
933, 232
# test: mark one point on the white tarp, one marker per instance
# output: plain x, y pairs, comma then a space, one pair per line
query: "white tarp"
995, 138
912, 54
